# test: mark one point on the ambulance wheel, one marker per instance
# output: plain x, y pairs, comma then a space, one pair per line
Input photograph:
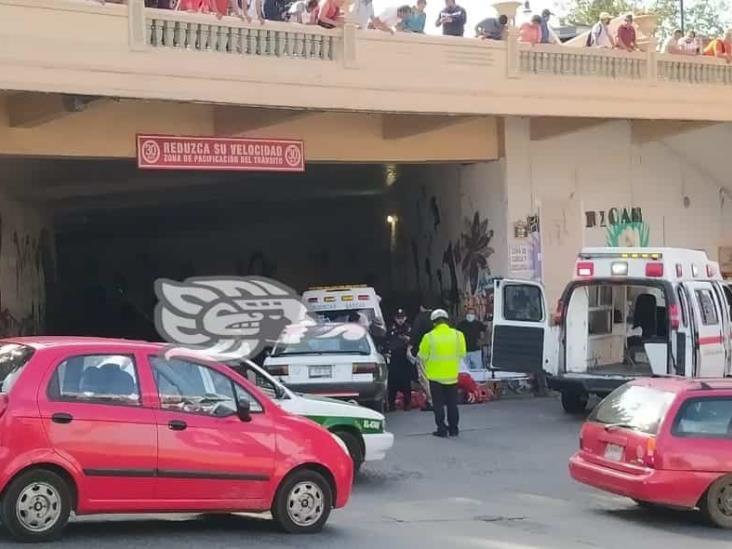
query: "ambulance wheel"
574, 402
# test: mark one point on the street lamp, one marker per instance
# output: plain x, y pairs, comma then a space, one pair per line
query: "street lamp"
681, 7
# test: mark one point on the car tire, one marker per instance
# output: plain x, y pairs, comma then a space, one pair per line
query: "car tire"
303, 503
716, 504
355, 449
574, 402
36, 506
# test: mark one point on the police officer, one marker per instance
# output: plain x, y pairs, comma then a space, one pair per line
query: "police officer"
400, 370
442, 350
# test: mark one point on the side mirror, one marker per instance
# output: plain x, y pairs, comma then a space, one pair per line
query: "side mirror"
244, 410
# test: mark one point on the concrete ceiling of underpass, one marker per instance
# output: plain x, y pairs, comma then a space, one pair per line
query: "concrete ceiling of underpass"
73, 186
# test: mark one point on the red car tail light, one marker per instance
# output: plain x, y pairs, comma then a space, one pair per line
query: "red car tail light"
365, 368
649, 458
279, 370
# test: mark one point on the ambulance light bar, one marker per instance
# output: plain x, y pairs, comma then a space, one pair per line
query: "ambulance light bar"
625, 255
338, 288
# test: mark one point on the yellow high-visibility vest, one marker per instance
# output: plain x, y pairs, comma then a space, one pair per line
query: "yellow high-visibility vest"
441, 350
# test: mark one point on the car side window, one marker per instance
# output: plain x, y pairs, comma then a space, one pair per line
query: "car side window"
101, 379
186, 386
704, 418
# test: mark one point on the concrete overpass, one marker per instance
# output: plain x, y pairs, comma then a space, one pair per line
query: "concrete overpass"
437, 130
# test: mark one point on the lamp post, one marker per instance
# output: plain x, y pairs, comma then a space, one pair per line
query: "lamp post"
681, 8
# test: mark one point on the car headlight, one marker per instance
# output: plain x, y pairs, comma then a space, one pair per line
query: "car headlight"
341, 444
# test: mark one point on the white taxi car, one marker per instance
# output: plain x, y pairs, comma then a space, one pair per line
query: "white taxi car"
333, 360
362, 430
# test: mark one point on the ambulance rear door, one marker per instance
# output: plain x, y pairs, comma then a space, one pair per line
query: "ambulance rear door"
521, 333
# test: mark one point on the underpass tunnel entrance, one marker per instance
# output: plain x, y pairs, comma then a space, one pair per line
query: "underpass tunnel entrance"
118, 229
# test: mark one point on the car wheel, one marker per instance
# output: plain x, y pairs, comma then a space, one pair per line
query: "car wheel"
355, 449
303, 503
574, 402
717, 503
36, 506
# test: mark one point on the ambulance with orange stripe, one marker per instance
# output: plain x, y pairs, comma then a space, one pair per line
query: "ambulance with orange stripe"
627, 313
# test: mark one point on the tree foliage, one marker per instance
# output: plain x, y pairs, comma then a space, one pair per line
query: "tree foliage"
587, 12
706, 17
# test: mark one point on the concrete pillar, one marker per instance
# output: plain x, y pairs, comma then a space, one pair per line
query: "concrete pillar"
508, 9
26, 264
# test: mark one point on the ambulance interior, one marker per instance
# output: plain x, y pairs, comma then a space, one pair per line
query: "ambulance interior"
617, 329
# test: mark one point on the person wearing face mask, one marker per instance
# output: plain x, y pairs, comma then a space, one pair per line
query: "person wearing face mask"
474, 331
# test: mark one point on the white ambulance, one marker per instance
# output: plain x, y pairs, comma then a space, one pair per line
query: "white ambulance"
628, 312
359, 304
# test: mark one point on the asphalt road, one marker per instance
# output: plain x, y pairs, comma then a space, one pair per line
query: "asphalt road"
502, 485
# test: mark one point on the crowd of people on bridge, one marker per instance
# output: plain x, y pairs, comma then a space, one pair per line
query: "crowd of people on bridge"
452, 20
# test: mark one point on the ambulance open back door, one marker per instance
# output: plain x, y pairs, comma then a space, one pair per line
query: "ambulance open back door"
522, 338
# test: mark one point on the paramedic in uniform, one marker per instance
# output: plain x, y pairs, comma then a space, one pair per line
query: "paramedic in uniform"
442, 350
400, 370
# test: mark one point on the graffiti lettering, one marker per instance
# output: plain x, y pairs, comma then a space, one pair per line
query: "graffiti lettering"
612, 217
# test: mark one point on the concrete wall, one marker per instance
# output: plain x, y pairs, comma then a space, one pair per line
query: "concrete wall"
451, 237
26, 267
591, 187
370, 71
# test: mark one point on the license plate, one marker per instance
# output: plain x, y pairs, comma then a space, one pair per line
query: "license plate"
317, 372
614, 452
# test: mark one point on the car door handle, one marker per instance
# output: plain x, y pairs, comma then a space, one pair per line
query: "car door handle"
177, 425
62, 418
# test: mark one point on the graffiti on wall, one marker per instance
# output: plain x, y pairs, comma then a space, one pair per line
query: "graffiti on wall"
635, 234
463, 276
624, 227
34, 267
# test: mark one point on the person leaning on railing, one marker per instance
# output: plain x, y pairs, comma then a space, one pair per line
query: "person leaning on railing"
625, 37
721, 47
331, 14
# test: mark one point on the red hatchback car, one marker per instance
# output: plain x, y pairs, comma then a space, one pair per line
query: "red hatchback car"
663, 441
114, 426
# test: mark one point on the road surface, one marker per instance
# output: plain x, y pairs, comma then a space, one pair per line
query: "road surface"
502, 485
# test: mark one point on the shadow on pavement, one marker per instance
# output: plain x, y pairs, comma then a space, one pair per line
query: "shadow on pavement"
686, 523
127, 530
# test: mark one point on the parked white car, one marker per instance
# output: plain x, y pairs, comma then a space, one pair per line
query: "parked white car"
362, 430
333, 360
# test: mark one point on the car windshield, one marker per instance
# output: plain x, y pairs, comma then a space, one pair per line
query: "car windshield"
360, 316
13, 358
634, 407
255, 376
327, 339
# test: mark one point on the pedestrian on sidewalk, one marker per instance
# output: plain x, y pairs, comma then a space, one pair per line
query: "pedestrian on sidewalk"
441, 352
